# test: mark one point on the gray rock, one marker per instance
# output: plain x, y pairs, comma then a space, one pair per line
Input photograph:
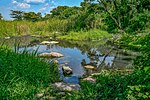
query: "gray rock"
66, 86
67, 70
52, 54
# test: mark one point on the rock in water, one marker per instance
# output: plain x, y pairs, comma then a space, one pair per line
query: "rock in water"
49, 42
89, 67
65, 86
55, 54
54, 42
52, 54
45, 42
67, 70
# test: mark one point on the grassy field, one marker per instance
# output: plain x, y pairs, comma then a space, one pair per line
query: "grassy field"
24, 75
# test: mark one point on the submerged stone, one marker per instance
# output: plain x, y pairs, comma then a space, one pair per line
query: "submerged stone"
71, 80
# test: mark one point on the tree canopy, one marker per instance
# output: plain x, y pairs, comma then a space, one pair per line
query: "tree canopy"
1, 17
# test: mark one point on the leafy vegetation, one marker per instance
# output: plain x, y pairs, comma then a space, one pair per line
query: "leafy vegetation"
94, 34
24, 75
94, 20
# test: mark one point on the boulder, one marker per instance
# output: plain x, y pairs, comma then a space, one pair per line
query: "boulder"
52, 54
89, 67
67, 70
66, 86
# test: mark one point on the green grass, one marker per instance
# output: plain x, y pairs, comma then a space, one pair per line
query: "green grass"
111, 86
94, 34
17, 28
24, 75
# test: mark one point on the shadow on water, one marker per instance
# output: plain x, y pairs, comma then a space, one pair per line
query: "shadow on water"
76, 55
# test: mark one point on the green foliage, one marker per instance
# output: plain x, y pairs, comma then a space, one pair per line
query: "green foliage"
115, 85
1, 17
23, 75
32, 16
94, 34
16, 14
126, 15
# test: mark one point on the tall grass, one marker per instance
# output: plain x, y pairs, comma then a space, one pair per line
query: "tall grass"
24, 75
94, 34
48, 27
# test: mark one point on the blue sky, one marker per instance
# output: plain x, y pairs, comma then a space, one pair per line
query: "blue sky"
43, 6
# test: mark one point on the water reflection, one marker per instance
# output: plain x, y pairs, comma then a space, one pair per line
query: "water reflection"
76, 55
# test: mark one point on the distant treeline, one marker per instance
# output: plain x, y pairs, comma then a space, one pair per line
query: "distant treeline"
111, 15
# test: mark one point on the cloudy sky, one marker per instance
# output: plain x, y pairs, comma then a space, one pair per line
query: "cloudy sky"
43, 6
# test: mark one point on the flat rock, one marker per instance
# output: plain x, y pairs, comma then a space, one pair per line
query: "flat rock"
66, 86
52, 54
89, 67
67, 70
90, 79
49, 42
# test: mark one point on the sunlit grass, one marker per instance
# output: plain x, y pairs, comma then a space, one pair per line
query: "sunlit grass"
24, 75
95, 34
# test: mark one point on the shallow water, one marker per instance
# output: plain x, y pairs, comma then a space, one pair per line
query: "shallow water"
76, 55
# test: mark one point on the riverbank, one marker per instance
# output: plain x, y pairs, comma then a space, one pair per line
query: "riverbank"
23, 75
30, 76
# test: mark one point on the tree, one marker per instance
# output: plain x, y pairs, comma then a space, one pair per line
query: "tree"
16, 14
32, 16
1, 17
56, 12
47, 16
125, 15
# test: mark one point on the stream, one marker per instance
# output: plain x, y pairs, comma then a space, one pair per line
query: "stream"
76, 55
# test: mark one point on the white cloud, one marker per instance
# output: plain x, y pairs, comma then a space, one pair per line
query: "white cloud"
43, 9
24, 5
21, 4
35, 1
